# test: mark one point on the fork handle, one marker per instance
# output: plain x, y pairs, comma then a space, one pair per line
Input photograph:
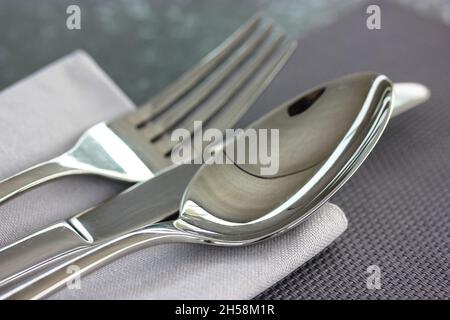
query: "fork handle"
32, 177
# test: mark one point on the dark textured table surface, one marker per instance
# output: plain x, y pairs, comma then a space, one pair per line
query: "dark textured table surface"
397, 204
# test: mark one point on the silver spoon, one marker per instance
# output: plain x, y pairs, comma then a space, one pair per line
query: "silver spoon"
325, 135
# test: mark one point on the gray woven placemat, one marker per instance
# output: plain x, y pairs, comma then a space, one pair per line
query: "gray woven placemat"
398, 203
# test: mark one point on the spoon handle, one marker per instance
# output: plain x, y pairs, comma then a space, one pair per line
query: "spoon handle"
66, 274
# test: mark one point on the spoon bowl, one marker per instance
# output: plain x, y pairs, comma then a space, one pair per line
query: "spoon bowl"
324, 135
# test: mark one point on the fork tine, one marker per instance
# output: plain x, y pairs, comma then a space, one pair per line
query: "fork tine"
180, 109
190, 78
237, 109
208, 110
232, 113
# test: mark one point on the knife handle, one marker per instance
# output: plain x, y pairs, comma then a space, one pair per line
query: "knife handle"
37, 250
36, 286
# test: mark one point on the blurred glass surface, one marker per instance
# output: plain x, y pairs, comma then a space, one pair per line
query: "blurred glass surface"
145, 44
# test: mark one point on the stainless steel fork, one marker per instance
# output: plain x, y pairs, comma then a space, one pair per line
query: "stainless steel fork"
135, 147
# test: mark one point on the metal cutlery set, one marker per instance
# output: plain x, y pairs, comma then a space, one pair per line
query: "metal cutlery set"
324, 135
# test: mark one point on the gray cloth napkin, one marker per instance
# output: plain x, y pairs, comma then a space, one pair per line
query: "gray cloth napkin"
43, 116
